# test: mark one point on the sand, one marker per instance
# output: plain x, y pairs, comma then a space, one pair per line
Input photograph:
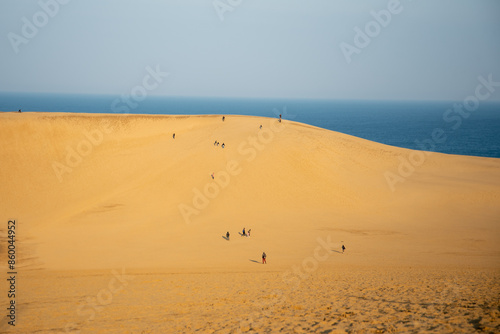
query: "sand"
120, 228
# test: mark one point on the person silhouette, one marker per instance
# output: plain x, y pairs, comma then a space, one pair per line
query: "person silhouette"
343, 249
227, 235
264, 258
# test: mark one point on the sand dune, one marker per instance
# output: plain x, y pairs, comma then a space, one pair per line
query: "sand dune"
127, 197
102, 192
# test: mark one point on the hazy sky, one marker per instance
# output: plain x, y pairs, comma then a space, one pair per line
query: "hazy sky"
427, 49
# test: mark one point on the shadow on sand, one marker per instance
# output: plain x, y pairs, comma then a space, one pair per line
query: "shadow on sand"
254, 261
224, 237
336, 251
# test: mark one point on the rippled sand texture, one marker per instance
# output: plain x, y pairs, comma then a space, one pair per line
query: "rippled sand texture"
328, 300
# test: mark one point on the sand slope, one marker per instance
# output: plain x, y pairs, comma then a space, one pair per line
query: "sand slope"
109, 191
120, 229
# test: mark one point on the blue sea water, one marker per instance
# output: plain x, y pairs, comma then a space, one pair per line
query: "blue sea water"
403, 124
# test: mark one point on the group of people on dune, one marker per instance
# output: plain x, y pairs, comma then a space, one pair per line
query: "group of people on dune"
247, 234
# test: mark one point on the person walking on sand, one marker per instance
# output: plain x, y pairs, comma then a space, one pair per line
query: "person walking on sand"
343, 249
264, 258
213, 176
243, 234
227, 235
249, 231
173, 136
223, 145
223, 118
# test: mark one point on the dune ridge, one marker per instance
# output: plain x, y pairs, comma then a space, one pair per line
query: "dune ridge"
131, 188
97, 193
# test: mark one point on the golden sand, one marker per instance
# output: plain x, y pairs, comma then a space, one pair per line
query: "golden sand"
120, 228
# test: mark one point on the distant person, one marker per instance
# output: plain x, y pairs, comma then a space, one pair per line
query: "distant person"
261, 126
244, 234
249, 231
343, 249
19, 110
173, 136
264, 258
223, 145
227, 235
215, 143
223, 118
280, 118
213, 176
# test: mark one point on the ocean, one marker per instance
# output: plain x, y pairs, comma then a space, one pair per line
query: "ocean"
408, 124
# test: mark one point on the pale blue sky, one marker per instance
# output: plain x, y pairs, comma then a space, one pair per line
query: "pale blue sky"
263, 48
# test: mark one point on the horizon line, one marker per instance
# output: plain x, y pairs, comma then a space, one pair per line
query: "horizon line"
325, 99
